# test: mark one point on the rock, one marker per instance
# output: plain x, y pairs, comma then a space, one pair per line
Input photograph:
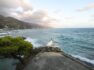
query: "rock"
47, 49
53, 61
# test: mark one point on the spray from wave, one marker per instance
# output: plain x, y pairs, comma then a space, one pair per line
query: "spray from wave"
40, 43
35, 42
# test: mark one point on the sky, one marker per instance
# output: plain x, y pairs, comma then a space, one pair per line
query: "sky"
54, 13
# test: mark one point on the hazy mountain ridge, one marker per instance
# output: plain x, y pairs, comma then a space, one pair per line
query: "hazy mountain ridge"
16, 24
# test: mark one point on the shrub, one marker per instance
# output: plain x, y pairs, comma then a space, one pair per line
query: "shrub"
16, 46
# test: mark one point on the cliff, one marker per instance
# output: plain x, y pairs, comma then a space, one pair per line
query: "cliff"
14, 23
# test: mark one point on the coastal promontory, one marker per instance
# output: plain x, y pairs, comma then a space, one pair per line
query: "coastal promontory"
51, 58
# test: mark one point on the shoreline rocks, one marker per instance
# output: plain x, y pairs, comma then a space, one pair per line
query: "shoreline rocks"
52, 58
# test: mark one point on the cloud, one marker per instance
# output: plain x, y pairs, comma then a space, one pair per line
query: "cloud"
25, 5
9, 6
9, 3
88, 7
38, 17
92, 15
22, 10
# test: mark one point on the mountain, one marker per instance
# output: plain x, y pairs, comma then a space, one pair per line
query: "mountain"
13, 23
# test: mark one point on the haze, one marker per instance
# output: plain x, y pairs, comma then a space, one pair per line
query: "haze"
54, 13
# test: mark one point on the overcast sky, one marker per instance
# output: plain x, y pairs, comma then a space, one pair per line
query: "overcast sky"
54, 13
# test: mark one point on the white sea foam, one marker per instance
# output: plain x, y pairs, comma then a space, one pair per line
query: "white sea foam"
84, 59
3, 33
34, 42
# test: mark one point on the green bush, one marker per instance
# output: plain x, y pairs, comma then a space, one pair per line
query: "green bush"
17, 46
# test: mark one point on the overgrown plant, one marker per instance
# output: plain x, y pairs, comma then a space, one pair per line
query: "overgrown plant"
14, 47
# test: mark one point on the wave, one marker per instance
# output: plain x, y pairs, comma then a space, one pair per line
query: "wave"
3, 33
35, 42
40, 43
84, 59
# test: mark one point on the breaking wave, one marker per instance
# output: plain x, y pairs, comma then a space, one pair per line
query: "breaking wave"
35, 42
86, 60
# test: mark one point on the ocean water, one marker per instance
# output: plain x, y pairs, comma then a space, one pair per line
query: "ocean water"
76, 42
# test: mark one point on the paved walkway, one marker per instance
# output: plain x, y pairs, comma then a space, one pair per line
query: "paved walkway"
53, 61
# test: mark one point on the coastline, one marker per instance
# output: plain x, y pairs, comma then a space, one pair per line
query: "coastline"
51, 50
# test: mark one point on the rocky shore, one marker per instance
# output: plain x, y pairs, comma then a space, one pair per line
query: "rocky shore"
52, 58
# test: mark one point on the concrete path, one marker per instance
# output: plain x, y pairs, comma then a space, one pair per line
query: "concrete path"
53, 61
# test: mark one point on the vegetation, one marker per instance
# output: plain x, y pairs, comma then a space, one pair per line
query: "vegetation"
14, 47
13, 23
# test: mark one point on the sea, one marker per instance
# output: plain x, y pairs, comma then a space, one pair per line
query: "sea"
77, 42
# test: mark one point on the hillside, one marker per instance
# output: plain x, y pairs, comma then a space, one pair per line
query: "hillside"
16, 24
